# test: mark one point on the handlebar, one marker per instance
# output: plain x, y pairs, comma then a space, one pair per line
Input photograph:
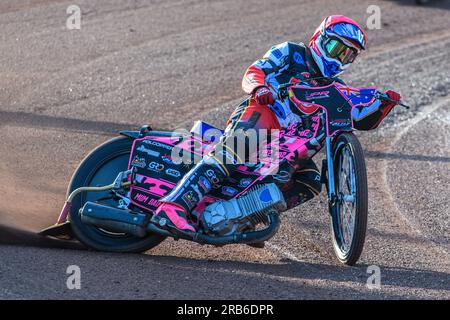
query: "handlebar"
282, 94
384, 96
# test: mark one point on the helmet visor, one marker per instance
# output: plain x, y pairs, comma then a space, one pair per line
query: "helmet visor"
336, 49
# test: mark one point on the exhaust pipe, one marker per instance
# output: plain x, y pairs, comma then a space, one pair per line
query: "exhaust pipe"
137, 224
246, 237
114, 219
242, 238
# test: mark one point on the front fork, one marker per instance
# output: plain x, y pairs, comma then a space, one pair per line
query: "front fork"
328, 177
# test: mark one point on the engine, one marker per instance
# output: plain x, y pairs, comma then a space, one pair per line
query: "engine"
241, 214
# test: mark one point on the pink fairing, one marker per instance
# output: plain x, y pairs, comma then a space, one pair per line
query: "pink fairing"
185, 144
167, 140
157, 184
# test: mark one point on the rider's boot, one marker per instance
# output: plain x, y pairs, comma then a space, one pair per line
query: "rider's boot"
174, 213
172, 216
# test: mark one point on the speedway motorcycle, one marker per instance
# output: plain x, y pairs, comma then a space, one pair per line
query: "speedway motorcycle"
115, 190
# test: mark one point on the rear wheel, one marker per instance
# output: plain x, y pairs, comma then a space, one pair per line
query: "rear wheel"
349, 213
100, 168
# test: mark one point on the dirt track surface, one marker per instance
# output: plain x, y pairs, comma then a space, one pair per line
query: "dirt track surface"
168, 63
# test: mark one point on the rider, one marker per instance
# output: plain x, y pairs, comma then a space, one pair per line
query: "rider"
332, 48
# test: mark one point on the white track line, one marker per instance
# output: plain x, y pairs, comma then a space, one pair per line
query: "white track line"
282, 252
405, 127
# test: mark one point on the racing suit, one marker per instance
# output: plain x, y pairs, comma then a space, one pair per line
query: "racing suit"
287, 62
290, 62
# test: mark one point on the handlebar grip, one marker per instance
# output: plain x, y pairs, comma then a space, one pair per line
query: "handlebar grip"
384, 96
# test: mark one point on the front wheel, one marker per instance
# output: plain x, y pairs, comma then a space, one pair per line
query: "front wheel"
349, 211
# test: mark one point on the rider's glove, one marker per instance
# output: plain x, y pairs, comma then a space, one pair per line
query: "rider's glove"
394, 95
263, 96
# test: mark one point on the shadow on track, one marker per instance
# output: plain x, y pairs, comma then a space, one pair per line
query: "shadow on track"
401, 156
24, 119
10, 235
391, 276
248, 272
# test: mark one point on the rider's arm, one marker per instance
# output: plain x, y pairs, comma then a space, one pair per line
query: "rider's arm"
369, 117
275, 60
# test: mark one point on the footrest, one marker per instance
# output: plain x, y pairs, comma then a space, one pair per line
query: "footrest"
61, 231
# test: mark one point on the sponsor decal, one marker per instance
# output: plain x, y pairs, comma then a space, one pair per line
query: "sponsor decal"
317, 95
173, 173
140, 197
158, 144
167, 159
229, 191
145, 199
244, 183
298, 58
138, 162
212, 176
189, 199
197, 190
155, 166
154, 203
341, 122
204, 183
148, 151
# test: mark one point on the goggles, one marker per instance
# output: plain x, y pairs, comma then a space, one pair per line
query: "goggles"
336, 49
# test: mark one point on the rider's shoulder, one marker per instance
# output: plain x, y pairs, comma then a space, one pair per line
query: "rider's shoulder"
290, 46
285, 49
278, 51
296, 45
